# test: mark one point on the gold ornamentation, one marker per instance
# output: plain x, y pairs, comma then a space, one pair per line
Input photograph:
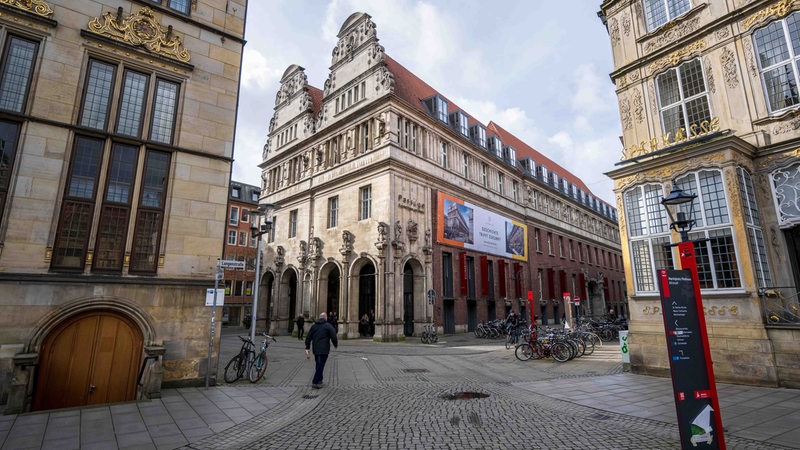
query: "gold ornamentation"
651, 310
89, 257
38, 7
676, 56
141, 30
721, 310
777, 10
161, 261
766, 162
48, 255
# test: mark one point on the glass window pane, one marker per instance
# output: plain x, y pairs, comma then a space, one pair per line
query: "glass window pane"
793, 23
121, 173
656, 214
144, 251
180, 5
97, 98
677, 7
770, 43
758, 252
8, 150
134, 91
72, 235
673, 119
662, 255
656, 13
689, 185
724, 253
635, 212
16, 75
715, 205
85, 166
155, 179
642, 266
747, 190
111, 236
781, 87
164, 105
692, 78
697, 110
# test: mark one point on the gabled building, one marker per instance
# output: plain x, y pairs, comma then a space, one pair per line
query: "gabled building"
116, 134
708, 102
396, 203
240, 246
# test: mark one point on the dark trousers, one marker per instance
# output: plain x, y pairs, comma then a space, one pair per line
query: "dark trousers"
320, 360
300, 332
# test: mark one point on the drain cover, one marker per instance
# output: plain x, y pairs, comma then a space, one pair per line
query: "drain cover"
415, 370
599, 417
310, 396
464, 395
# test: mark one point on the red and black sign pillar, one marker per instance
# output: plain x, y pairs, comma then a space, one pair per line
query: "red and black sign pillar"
696, 400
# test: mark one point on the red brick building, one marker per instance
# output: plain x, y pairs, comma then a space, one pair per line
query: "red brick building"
240, 246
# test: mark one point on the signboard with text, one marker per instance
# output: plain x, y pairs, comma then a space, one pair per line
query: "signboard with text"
687, 360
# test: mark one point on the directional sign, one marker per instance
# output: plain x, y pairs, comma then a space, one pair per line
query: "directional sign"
210, 297
230, 264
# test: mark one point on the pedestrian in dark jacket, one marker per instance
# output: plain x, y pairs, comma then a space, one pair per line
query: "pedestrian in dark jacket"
301, 326
322, 335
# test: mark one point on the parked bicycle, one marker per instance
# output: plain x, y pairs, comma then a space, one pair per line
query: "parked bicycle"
244, 362
429, 335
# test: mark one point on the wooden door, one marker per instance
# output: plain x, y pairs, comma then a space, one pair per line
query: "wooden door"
89, 359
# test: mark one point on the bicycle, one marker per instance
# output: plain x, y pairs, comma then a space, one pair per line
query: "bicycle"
240, 363
429, 336
259, 365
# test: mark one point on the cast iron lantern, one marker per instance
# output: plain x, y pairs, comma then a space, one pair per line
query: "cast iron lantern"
680, 217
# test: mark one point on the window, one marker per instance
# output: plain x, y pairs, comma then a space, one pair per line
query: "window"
365, 204
444, 154
777, 46
238, 288
659, 12
150, 216
549, 243
682, 97
234, 216
465, 165
293, 223
478, 135
99, 92
447, 275
561, 246
571, 250
236, 192
483, 175
228, 284
458, 120
248, 288
115, 209
243, 238
253, 241
537, 240
254, 196
9, 134
17, 70
515, 190
501, 179
271, 234
437, 107
177, 5
245, 215
333, 212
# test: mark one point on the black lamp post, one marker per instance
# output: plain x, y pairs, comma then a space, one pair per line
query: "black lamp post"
682, 336
680, 220
256, 231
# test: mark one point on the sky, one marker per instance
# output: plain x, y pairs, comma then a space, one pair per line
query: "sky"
539, 69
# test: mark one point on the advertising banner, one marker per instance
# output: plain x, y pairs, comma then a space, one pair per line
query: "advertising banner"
465, 225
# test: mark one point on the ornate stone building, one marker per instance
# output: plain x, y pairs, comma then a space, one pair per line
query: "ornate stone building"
395, 203
116, 136
708, 101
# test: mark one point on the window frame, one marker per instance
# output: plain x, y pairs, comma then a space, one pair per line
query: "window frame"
682, 99
365, 203
793, 59
293, 223
333, 211
9, 38
667, 4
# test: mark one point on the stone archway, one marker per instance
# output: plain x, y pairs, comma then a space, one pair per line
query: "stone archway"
286, 306
415, 309
363, 297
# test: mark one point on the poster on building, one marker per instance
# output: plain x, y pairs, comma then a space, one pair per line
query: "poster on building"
465, 225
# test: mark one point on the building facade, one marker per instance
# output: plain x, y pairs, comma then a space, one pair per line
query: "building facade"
240, 246
399, 208
116, 122
708, 102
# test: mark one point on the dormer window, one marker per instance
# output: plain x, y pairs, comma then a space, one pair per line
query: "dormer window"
551, 178
528, 165
437, 107
458, 120
541, 172
478, 135
659, 12
236, 192
510, 155
496, 146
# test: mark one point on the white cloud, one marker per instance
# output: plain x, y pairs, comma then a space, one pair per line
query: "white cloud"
591, 92
561, 139
257, 72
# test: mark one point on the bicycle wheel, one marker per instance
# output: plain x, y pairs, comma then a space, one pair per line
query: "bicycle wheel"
509, 341
523, 352
589, 343
434, 338
259, 367
560, 352
232, 370
426, 339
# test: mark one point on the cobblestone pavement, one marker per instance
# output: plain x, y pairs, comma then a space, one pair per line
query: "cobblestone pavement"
412, 396
397, 396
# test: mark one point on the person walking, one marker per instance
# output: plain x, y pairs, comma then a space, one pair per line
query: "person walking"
301, 324
322, 335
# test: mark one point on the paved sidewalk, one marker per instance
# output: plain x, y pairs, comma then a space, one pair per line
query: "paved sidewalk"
388, 395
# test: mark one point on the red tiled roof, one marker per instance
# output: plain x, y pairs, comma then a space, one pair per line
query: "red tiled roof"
316, 100
413, 90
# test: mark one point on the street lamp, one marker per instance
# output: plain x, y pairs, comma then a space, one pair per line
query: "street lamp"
256, 231
676, 204
683, 345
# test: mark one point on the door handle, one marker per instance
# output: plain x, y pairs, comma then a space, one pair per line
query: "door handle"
92, 388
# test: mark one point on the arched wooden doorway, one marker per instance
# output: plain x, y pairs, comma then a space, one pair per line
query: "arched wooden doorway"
291, 283
89, 359
408, 300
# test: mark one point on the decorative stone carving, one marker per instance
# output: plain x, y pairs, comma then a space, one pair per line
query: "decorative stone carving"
626, 24
625, 113
383, 231
377, 54
786, 189
722, 33
291, 85
672, 34
651, 90
37, 7
397, 243
265, 150
348, 240
751, 63
709, 75
353, 38
330, 84
280, 256
411, 231
729, 69
775, 11
384, 80
638, 106
315, 248
302, 255
677, 56
427, 249
634, 76
141, 29
613, 31
273, 123
786, 126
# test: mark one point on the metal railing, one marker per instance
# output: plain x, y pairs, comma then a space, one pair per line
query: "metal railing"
780, 305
